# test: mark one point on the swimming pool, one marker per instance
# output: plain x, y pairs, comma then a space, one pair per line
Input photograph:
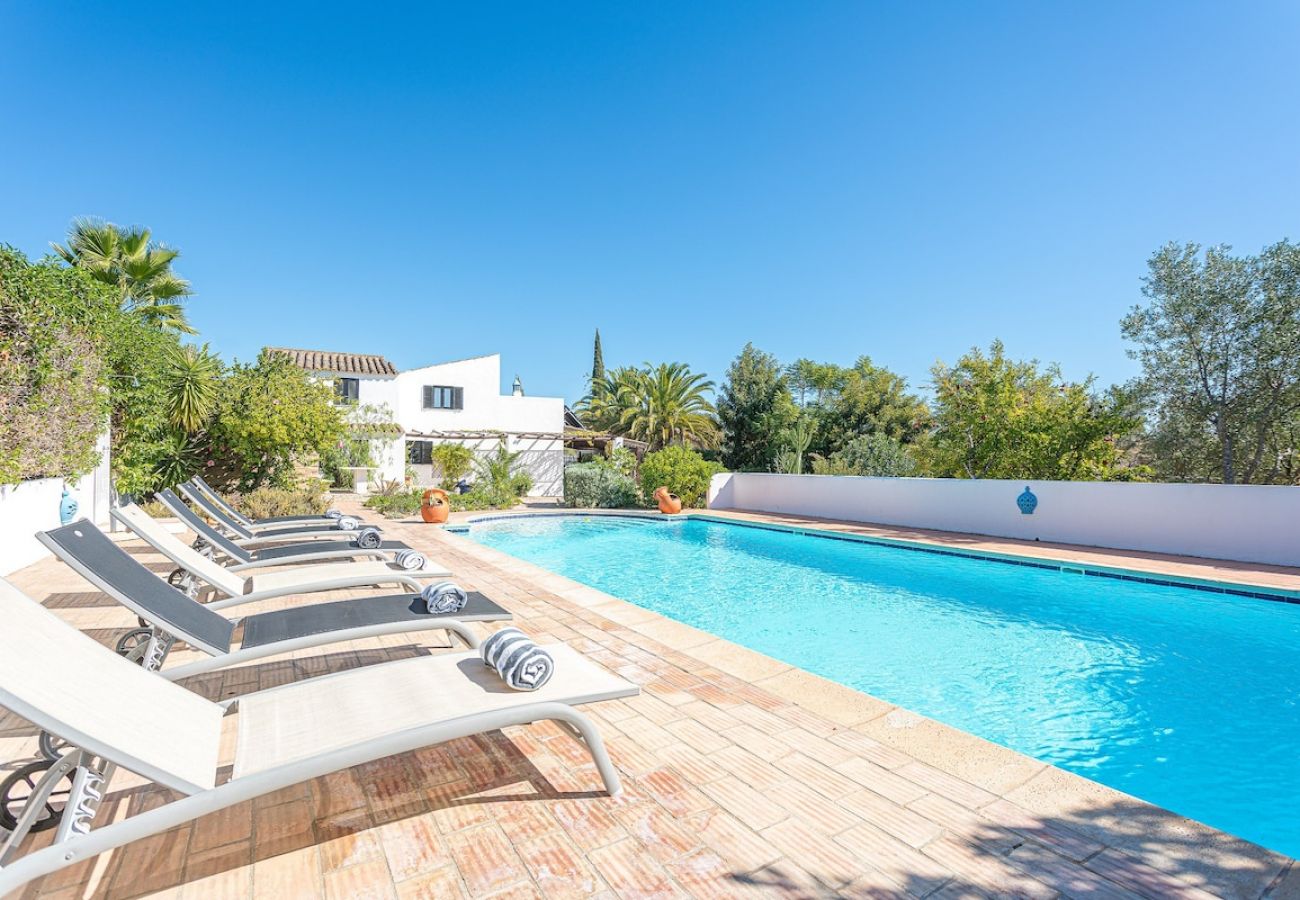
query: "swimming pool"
1185, 698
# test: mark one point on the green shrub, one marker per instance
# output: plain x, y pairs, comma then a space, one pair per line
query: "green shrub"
54, 398
396, 506
682, 471
875, 454
598, 485
453, 462
309, 498
405, 504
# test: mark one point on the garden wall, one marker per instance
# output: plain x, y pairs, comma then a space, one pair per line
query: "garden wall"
32, 506
1252, 523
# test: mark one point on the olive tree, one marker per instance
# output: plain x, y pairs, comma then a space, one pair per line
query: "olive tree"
1219, 343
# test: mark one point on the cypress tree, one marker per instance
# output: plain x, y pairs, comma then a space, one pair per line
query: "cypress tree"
597, 366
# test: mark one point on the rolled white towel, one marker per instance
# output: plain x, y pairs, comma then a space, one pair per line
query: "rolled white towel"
444, 598
522, 665
347, 523
369, 538
410, 560
333, 513
528, 669
497, 642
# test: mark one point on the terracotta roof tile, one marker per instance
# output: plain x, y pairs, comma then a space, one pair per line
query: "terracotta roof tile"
343, 363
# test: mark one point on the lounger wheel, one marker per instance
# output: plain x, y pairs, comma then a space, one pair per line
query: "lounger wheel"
20, 784
134, 643
177, 578
52, 746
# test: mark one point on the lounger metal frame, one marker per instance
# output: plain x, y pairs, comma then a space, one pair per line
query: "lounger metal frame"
162, 639
92, 760
78, 845
247, 537
404, 578
216, 540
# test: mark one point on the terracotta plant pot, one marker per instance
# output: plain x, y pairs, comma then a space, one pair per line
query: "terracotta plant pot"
434, 507
669, 504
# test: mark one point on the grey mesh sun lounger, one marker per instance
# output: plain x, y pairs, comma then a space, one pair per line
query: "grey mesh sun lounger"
241, 558
262, 585
215, 499
114, 713
174, 616
246, 536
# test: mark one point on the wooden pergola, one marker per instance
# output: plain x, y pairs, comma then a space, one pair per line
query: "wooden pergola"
578, 439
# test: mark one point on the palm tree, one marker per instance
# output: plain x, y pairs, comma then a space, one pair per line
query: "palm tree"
130, 261
666, 405
603, 408
192, 376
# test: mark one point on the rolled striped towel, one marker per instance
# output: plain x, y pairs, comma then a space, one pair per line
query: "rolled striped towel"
522, 665
333, 513
444, 598
410, 560
347, 523
369, 538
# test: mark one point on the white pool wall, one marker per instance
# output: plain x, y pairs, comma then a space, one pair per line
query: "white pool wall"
1249, 523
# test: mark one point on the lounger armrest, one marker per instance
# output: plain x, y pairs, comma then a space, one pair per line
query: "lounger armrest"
310, 557
448, 624
351, 581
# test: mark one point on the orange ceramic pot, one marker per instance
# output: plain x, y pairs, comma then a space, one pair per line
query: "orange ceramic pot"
434, 507
669, 504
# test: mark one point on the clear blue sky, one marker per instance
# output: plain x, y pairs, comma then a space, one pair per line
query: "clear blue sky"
823, 179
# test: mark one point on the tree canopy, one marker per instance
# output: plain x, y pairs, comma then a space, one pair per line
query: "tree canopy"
999, 418
1219, 343
754, 405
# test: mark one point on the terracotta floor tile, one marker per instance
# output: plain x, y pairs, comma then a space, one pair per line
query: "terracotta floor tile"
829, 862
558, 867
365, 881
908, 826
346, 839
906, 866
739, 844
288, 876
632, 873
666, 836
751, 807
673, 792
413, 846
485, 858
437, 885
587, 824
282, 828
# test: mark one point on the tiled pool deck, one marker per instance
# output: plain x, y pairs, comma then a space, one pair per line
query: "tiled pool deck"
743, 777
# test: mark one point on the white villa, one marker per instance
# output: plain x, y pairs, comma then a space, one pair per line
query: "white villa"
459, 401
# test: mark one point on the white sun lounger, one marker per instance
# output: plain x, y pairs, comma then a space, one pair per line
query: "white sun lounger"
322, 529
214, 498
174, 616
115, 713
243, 558
261, 585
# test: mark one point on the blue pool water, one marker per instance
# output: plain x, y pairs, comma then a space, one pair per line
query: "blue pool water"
1185, 698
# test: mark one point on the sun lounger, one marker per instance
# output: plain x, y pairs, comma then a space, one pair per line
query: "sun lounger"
215, 499
241, 558
262, 585
246, 536
115, 713
173, 615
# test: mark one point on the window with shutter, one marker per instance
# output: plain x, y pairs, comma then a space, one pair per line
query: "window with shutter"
438, 396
